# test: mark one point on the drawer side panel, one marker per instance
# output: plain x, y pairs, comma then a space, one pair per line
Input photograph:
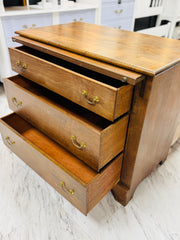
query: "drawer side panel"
104, 182
123, 101
113, 140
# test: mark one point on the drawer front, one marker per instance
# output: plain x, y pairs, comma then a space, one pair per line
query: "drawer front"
96, 96
82, 195
88, 143
117, 11
87, 16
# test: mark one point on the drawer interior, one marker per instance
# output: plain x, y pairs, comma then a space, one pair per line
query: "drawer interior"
97, 122
73, 67
69, 163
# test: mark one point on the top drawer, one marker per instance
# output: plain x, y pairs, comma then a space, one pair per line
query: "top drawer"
98, 93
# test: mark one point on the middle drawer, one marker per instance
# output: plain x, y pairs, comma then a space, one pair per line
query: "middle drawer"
90, 137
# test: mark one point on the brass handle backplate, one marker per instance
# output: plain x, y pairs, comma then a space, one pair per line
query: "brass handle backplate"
22, 66
91, 101
9, 141
80, 146
75, 20
118, 12
18, 63
26, 26
71, 191
16, 103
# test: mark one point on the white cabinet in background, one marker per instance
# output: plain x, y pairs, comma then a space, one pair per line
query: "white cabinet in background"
117, 14
171, 12
9, 25
22, 18
12, 23
87, 16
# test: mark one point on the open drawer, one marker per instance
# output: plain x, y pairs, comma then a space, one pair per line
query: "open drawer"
78, 183
90, 137
105, 96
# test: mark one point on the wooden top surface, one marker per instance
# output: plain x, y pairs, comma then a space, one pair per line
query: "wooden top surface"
135, 51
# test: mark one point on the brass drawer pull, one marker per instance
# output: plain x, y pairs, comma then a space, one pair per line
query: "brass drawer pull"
120, 11
91, 101
18, 63
16, 103
24, 66
26, 26
8, 140
71, 191
78, 145
75, 20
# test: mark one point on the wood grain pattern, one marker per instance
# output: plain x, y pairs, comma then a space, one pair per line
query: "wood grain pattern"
89, 63
148, 143
123, 100
70, 84
60, 119
135, 51
55, 164
113, 140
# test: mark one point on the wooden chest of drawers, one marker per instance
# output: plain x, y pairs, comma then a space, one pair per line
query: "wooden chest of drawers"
89, 116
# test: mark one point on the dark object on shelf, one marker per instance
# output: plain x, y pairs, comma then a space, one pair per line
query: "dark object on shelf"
143, 23
33, 1
11, 3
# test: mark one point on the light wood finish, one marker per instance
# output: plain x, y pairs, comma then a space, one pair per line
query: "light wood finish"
61, 119
83, 187
155, 115
89, 63
135, 51
71, 84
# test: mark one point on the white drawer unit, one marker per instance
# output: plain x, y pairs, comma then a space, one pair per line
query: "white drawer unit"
125, 24
116, 11
13, 23
16, 18
87, 16
9, 25
117, 14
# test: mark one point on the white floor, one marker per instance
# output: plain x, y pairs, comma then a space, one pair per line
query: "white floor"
30, 209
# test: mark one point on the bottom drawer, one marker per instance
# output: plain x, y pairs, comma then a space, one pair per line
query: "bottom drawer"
78, 183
